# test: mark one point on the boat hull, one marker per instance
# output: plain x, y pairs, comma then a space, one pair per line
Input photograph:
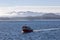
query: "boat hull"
27, 31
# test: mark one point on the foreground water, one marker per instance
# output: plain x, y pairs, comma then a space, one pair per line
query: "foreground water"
11, 30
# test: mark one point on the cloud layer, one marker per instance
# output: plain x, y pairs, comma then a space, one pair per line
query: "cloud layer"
6, 11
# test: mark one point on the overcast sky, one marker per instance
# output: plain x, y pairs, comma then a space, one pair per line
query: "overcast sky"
7, 6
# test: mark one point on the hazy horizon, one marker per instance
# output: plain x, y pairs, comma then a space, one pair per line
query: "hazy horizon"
45, 6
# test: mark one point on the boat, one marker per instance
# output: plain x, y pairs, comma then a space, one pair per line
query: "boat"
26, 29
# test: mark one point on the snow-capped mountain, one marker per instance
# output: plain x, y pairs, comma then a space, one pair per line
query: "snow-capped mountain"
24, 14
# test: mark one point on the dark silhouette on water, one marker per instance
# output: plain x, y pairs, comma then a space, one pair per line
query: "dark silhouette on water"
26, 29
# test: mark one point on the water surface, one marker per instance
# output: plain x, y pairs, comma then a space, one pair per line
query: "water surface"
11, 30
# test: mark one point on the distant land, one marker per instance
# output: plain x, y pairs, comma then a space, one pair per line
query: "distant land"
31, 16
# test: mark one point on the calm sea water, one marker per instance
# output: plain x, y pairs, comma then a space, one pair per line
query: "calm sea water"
11, 30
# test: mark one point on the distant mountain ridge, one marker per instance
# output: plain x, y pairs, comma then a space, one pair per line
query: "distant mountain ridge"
31, 16
25, 14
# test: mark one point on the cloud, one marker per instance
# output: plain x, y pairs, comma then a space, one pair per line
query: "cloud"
4, 11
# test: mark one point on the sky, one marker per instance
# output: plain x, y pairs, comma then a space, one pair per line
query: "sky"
7, 6
29, 2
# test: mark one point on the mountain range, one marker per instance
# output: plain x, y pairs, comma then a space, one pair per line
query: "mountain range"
29, 15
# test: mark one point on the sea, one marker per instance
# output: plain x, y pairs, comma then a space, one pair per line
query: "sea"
44, 30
